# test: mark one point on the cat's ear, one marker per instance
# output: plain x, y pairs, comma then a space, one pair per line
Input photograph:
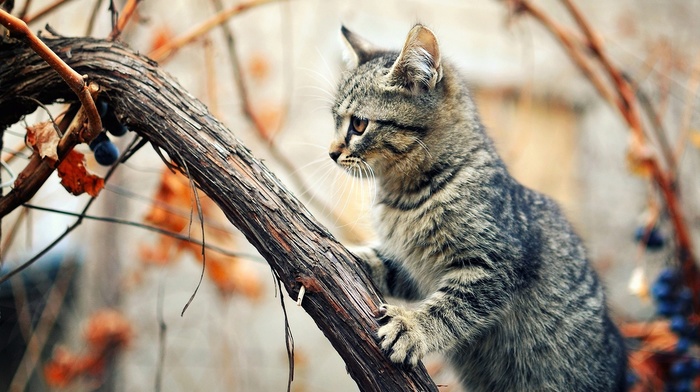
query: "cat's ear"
418, 66
359, 49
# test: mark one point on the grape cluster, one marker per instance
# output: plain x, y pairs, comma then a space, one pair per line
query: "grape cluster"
675, 301
106, 152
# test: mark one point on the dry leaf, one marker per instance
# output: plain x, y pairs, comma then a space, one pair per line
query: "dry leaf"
268, 121
161, 36
75, 176
106, 334
171, 211
44, 139
258, 67
694, 137
106, 329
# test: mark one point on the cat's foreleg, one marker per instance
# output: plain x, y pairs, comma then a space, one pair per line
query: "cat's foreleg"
466, 303
388, 275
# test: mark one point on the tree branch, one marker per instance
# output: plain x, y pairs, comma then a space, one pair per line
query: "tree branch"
339, 296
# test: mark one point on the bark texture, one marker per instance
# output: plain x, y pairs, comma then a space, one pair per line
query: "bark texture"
339, 296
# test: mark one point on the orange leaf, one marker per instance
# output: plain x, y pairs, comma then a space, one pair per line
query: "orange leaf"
174, 193
694, 137
75, 176
232, 275
161, 36
258, 67
268, 121
108, 329
44, 139
62, 369
171, 211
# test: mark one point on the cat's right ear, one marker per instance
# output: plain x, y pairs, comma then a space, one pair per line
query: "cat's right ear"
359, 49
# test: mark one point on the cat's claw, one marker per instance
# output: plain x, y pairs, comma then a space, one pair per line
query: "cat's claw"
401, 335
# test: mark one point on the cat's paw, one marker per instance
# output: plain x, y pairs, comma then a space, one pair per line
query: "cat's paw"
401, 335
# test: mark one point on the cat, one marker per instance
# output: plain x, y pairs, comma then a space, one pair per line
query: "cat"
503, 286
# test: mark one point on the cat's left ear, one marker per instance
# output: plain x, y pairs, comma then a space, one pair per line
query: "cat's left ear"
360, 50
418, 66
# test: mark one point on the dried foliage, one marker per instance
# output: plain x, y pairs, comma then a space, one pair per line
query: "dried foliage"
107, 333
172, 201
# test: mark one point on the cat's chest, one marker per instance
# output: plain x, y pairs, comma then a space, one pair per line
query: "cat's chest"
415, 238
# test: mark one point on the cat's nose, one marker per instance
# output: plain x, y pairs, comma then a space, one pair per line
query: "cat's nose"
334, 155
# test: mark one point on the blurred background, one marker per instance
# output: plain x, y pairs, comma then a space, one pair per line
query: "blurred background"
102, 309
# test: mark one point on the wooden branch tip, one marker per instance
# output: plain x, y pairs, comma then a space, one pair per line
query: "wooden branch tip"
300, 297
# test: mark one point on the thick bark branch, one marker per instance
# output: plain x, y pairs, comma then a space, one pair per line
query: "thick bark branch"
339, 296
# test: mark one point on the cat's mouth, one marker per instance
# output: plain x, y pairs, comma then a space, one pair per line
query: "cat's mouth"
356, 166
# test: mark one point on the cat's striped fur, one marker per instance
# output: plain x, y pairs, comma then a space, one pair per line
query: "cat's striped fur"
504, 287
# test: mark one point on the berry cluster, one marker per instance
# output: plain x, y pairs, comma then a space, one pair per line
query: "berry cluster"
675, 301
106, 152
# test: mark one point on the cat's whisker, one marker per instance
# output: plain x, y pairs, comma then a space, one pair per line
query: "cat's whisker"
328, 68
423, 145
314, 145
348, 195
317, 89
312, 163
373, 183
318, 76
318, 182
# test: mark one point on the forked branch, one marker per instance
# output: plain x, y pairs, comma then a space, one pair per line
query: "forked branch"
338, 295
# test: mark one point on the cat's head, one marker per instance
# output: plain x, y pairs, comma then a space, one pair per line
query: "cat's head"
388, 104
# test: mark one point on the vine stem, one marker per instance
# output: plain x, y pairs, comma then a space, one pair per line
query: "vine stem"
625, 101
75, 81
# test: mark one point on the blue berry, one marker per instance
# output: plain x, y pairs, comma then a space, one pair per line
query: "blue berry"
101, 137
661, 290
668, 275
695, 366
683, 386
106, 153
102, 107
683, 345
667, 308
685, 297
112, 124
653, 238
118, 129
679, 324
680, 369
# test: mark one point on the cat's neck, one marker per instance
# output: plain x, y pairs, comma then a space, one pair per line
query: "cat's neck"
408, 184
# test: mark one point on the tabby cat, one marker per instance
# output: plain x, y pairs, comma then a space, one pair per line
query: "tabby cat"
503, 285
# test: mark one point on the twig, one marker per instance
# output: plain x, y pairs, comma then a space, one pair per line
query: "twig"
288, 338
155, 229
93, 17
200, 215
287, 165
626, 103
624, 89
124, 16
25, 8
44, 11
70, 228
571, 44
212, 82
162, 331
690, 98
169, 48
40, 335
75, 81
38, 169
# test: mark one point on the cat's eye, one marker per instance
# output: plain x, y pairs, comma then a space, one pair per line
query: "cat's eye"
358, 124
